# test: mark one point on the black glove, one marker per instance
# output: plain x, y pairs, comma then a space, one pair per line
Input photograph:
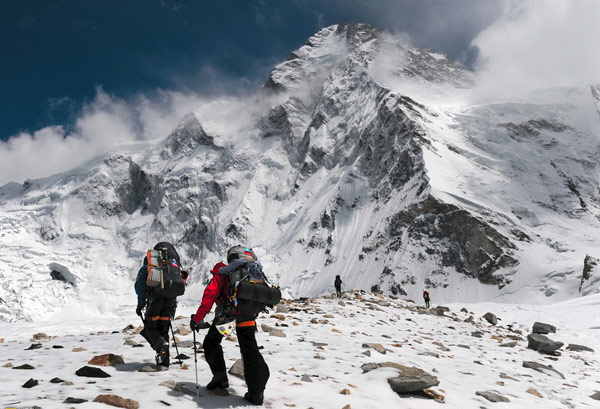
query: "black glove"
138, 311
195, 326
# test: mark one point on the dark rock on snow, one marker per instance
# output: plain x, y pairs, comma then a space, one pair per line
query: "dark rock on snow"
409, 379
34, 346
541, 328
492, 396
24, 366
577, 348
30, 383
595, 396
56, 380
491, 318
541, 368
74, 400
91, 372
542, 343
237, 369
477, 334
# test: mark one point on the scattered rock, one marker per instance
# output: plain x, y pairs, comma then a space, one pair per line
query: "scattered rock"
346, 406
153, 368
345, 392
128, 328
91, 372
78, 349
56, 380
577, 348
492, 396
183, 331
542, 343
57, 346
438, 397
282, 309
30, 383
34, 346
280, 317
463, 309
74, 400
412, 380
237, 369
595, 396
505, 376
367, 353
534, 392
377, 347
273, 332
119, 402
182, 357
491, 318
541, 328
342, 303
306, 378
7, 365
510, 344
541, 368
477, 334
177, 387
186, 344
130, 342
24, 366
107, 360
39, 336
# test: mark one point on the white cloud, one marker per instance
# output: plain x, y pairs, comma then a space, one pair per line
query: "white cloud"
104, 122
539, 44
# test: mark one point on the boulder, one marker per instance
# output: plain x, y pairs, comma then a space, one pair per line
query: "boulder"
119, 402
91, 372
491, 318
492, 396
541, 328
412, 379
56, 380
542, 343
595, 396
577, 348
237, 369
545, 369
107, 360
30, 383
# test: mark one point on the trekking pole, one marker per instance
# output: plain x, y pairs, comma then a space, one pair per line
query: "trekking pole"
175, 342
196, 365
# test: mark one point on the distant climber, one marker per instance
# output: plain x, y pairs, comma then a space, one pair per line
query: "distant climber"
158, 284
426, 298
227, 289
338, 285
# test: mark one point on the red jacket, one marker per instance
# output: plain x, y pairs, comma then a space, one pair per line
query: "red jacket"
215, 292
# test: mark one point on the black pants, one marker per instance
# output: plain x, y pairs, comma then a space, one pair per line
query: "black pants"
158, 317
256, 371
427, 303
338, 291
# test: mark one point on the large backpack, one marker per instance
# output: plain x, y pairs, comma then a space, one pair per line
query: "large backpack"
164, 271
249, 290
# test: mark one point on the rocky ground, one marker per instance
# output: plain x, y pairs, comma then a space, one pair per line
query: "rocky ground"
361, 351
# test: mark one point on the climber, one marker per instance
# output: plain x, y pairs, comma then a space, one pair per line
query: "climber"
228, 317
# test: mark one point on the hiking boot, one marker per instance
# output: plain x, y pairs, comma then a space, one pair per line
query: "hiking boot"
219, 381
256, 399
162, 358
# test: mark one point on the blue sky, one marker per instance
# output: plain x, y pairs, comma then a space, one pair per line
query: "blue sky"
55, 54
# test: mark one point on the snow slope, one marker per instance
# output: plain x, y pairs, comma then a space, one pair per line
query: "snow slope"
321, 356
362, 156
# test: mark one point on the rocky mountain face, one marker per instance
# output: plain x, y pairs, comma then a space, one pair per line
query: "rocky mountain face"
343, 164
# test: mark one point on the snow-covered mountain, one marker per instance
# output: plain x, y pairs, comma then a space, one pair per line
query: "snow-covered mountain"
361, 156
